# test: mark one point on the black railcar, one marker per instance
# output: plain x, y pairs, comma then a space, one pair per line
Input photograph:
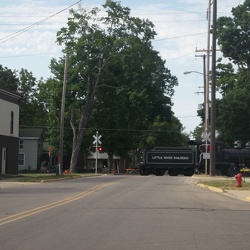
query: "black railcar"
228, 161
161, 159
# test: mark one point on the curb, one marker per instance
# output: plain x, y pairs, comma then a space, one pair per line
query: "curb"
218, 190
72, 177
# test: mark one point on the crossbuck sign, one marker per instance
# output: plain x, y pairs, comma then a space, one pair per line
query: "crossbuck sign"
97, 139
206, 136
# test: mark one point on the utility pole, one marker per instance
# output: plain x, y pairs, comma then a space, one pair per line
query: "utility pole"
206, 90
213, 92
62, 115
208, 64
206, 106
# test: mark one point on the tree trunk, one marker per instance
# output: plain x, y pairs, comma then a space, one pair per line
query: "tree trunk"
110, 162
92, 87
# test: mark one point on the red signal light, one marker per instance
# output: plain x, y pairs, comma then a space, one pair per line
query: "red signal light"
202, 148
100, 149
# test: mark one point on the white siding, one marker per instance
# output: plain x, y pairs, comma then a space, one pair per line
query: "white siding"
5, 112
30, 146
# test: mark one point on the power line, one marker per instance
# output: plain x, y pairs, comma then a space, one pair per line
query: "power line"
9, 37
104, 129
176, 37
40, 54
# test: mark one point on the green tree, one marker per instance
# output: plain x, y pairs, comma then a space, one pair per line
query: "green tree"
136, 89
233, 35
234, 113
226, 77
163, 134
32, 109
233, 78
8, 79
95, 46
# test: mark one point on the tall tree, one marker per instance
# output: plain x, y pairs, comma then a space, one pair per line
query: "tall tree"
136, 88
233, 78
94, 45
234, 113
233, 35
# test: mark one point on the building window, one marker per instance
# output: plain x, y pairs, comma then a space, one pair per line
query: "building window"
11, 122
21, 159
20, 143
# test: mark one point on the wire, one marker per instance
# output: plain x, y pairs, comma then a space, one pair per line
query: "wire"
180, 56
11, 36
175, 37
104, 129
40, 54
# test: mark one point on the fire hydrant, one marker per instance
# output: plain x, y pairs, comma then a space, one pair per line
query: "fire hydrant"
238, 178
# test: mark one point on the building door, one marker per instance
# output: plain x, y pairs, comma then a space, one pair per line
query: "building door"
3, 160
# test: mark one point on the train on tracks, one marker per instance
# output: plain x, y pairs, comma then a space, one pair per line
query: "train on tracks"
228, 161
190, 160
173, 160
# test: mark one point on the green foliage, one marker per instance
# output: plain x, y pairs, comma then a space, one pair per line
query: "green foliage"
166, 134
232, 79
112, 64
234, 111
233, 35
197, 132
8, 79
226, 77
32, 107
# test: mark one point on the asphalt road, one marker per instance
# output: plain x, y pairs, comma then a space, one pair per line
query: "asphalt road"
121, 212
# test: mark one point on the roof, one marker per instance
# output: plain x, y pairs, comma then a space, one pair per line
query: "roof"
30, 132
10, 96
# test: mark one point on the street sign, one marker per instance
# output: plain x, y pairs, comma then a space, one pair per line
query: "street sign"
206, 136
206, 156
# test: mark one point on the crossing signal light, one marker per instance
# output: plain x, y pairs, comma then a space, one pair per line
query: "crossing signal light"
202, 148
100, 149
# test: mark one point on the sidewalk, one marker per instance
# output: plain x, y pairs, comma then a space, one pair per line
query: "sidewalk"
8, 184
240, 194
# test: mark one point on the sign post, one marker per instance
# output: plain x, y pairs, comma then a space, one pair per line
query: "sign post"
206, 138
96, 142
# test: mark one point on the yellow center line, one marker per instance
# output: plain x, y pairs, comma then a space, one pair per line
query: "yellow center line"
37, 210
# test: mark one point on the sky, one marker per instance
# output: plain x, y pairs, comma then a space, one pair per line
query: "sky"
28, 40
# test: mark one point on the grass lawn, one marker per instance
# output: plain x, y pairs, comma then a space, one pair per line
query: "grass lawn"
226, 184
39, 177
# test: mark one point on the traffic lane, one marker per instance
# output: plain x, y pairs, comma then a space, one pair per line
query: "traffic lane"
137, 213
18, 199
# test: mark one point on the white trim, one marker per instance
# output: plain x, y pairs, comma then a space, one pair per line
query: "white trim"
23, 159
29, 138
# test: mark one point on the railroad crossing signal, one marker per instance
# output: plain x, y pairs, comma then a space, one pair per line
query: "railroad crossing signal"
206, 136
97, 139
97, 142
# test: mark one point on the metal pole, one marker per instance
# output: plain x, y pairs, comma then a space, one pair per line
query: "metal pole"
205, 107
208, 64
96, 151
62, 115
213, 93
207, 80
